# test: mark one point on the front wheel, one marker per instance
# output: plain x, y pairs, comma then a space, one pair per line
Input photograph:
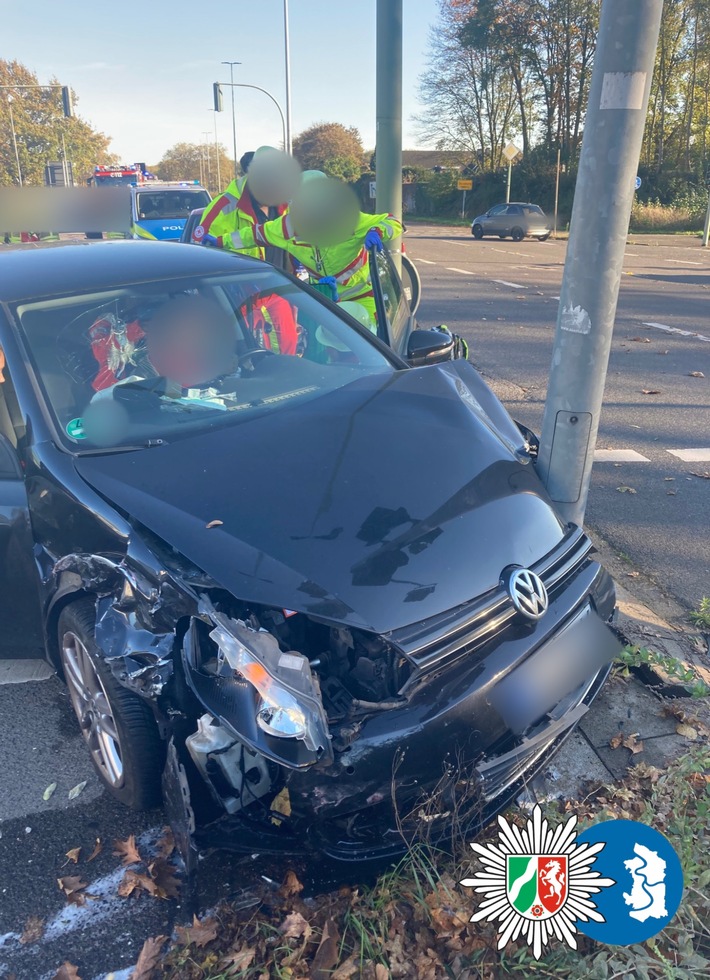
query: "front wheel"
518, 234
118, 726
477, 232
543, 238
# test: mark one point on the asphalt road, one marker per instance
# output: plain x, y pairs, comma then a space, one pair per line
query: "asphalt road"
503, 297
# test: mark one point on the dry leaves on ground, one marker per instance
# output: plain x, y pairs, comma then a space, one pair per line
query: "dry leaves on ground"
98, 847
640, 340
326, 956
238, 960
696, 374
163, 874
166, 844
294, 926
74, 889
134, 881
291, 885
650, 391
626, 490
199, 934
33, 930
149, 959
702, 476
127, 851
630, 742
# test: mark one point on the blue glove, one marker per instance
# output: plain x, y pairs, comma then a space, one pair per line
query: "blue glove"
332, 282
210, 240
373, 239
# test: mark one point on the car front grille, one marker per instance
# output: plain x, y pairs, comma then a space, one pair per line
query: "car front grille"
463, 630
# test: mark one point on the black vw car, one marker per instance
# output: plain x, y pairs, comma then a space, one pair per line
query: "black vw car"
310, 598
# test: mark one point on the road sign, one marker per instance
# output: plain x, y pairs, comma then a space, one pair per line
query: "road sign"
465, 185
511, 152
638, 183
373, 189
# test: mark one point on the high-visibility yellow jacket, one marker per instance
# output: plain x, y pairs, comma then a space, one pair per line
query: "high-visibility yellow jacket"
346, 262
231, 211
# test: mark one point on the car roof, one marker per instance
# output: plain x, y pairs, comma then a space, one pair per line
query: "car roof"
65, 267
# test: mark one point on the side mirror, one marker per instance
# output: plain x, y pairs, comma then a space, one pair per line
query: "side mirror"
9, 463
430, 346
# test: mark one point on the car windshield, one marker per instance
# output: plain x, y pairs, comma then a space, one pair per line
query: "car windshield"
155, 361
170, 204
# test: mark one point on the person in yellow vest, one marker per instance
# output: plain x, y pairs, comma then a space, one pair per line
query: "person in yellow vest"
327, 213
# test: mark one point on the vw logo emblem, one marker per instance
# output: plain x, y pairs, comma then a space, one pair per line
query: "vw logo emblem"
528, 592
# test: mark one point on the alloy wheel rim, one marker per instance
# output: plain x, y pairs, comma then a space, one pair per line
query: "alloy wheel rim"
93, 709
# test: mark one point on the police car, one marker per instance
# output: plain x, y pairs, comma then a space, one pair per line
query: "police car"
159, 209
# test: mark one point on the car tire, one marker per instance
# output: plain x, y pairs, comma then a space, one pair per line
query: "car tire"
118, 726
543, 238
477, 232
517, 234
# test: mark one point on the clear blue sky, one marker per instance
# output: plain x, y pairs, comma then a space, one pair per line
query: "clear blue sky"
143, 72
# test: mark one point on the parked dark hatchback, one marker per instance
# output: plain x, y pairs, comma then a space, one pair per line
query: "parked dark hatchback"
317, 597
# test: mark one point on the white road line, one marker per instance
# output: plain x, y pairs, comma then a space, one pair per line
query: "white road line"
23, 671
465, 244
684, 261
426, 261
691, 455
683, 333
464, 272
513, 285
619, 456
557, 297
507, 251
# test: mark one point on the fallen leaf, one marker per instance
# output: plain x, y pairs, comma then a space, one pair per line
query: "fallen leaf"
98, 847
73, 854
326, 956
663, 352
381, 972
48, 792
687, 731
640, 340
127, 851
199, 933
702, 476
75, 790
166, 844
163, 875
632, 743
669, 479
671, 493
696, 374
133, 880
214, 524
626, 490
616, 740
149, 958
650, 391
33, 930
294, 926
633, 574
73, 888
347, 969
238, 960
291, 885
67, 971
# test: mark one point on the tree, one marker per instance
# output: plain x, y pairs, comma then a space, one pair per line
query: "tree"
196, 161
39, 124
332, 148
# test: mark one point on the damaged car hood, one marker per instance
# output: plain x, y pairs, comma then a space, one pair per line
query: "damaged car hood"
385, 502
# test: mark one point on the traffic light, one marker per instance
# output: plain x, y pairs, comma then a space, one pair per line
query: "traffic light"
217, 92
66, 102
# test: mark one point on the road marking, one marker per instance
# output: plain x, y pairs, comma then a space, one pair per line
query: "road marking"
464, 272
507, 251
619, 456
465, 244
513, 285
684, 261
24, 671
691, 455
426, 261
683, 333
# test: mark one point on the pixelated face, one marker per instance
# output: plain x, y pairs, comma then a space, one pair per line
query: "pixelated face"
191, 341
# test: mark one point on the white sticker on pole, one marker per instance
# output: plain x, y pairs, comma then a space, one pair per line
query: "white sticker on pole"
575, 320
623, 90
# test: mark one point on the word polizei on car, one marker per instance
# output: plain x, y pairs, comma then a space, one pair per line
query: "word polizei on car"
307, 600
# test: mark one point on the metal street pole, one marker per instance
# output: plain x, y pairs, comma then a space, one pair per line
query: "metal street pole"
14, 140
234, 118
706, 230
288, 142
557, 191
507, 190
388, 147
217, 153
613, 132
206, 135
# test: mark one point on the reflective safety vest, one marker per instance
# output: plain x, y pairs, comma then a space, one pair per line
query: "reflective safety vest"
272, 321
346, 262
231, 211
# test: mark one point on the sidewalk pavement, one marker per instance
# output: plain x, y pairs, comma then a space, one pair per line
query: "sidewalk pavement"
646, 717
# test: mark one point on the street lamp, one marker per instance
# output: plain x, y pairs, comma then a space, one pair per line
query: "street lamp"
234, 118
14, 140
218, 102
287, 58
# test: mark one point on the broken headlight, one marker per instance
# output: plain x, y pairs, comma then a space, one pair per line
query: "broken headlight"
290, 705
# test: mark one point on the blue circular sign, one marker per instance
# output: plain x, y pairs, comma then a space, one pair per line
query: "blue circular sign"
648, 882
638, 183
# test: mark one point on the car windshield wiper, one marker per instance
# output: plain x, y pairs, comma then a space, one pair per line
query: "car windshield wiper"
100, 451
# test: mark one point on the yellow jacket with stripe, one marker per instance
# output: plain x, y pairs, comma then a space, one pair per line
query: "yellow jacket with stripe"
233, 211
347, 262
